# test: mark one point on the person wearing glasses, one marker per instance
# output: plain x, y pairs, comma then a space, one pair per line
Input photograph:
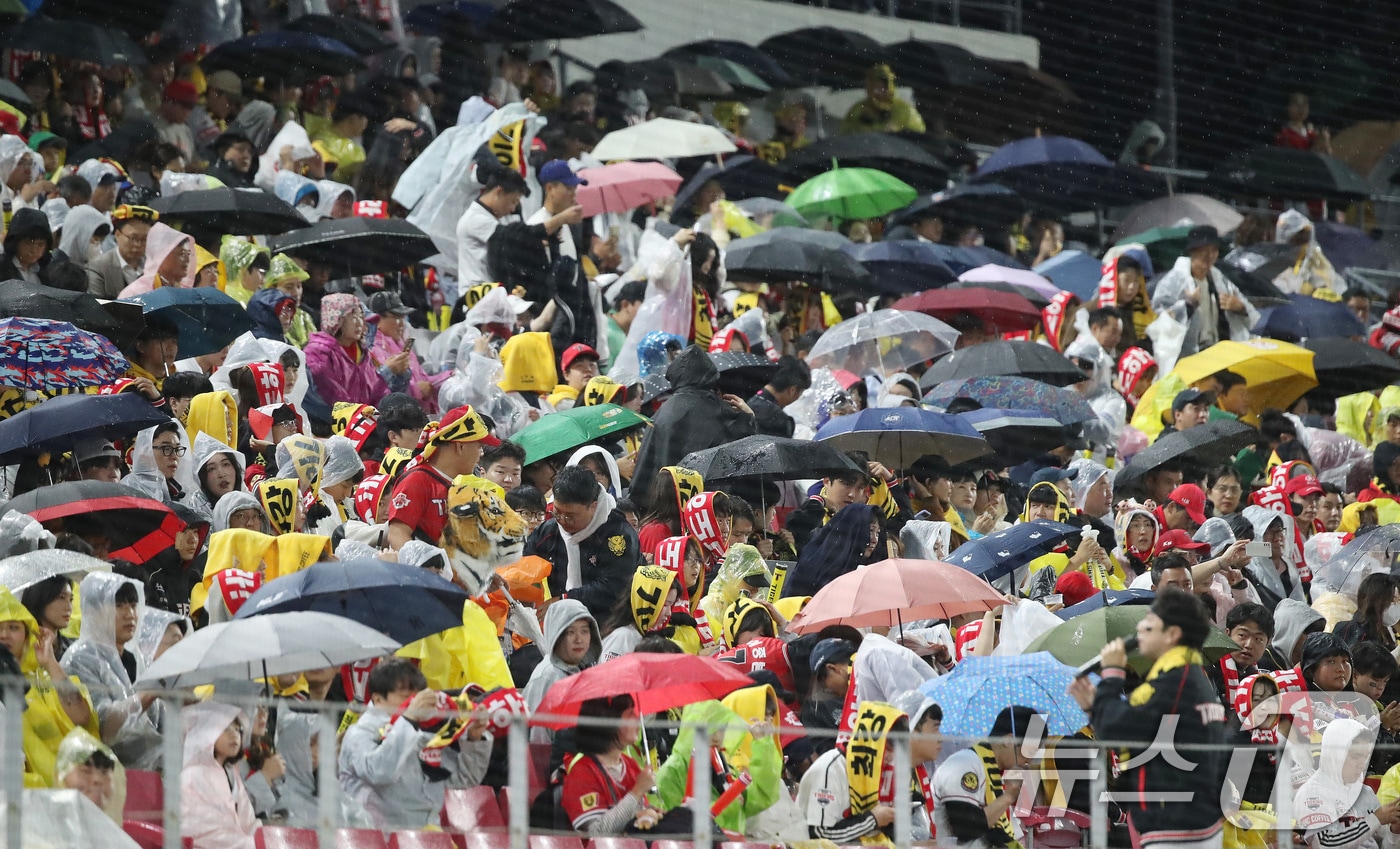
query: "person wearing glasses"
158, 466
169, 262
116, 269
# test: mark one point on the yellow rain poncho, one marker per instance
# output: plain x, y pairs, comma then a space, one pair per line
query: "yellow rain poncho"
238, 254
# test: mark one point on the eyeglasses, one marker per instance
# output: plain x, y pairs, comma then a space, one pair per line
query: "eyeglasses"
1227, 490
170, 450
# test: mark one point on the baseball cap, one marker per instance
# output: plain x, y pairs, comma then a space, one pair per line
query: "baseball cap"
1201, 236
1179, 541
1192, 396
1303, 486
558, 171
830, 650
576, 351
92, 449
463, 424
1050, 474
182, 92
224, 81
1190, 497
387, 303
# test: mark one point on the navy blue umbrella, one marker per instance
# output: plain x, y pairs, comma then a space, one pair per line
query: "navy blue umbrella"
405, 602
1016, 435
60, 423
999, 554
1305, 317
1014, 393
962, 260
1347, 246
206, 318
1074, 271
432, 18
902, 267
898, 436
1066, 174
285, 53
1107, 598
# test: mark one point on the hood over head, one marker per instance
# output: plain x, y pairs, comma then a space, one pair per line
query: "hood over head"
79, 227
160, 242
693, 369
229, 504
97, 602
557, 620
152, 627
204, 724
1292, 618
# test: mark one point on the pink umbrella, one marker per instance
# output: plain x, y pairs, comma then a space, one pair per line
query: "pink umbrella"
885, 594
623, 186
1002, 274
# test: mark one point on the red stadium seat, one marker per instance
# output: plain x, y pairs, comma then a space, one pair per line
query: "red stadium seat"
421, 840
472, 809
488, 840
617, 843
549, 841
277, 837
145, 796
360, 838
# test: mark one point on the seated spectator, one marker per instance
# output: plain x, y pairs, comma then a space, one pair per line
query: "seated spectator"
215, 810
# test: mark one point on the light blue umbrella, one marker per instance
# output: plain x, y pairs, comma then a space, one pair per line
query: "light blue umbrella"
980, 687
1074, 271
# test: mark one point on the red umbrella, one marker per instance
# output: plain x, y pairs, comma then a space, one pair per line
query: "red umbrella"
139, 528
656, 683
999, 311
884, 594
624, 186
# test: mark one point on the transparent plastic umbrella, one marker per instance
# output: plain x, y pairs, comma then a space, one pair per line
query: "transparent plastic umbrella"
1369, 553
887, 340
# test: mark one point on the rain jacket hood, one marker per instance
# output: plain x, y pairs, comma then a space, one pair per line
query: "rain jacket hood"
146, 477
1262, 569
204, 724
237, 254
1143, 132
214, 805
263, 309
27, 224
528, 363
1089, 473
228, 505
557, 620
151, 630
740, 562
12, 611
1327, 796
693, 369
13, 150
615, 489
79, 227
97, 597
161, 241
330, 191
248, 349
1120, 532
206, 448
1292, 618
215, 414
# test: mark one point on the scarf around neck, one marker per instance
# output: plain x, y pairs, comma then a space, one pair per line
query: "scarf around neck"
606, 503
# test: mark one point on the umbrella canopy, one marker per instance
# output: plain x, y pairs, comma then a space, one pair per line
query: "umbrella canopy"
788, 254
851, 193
355, 34
404, 602
1013, 359
898, 436
656, 682
885, 594
1372, 552
741, 78
54, 355
286, 53
1253, 269
358, 246
138, 21
624, 186
242, 213
1345, 366
1276, 373
1016, 436
1176, 211
1163, 244
742, 373
939, 65
999, 554
1345, 247
901, 267
829, 56
663, 138
1106, 598
528, 20
207, 319
1283, 172
1036, 298
983, 204
1081, 639
900, 158
890, 339
981, 687
741, 54
669, 80
88, 41
1207, 445
999, 311
1073, 271
782, 214
23, 571
964, 260
58, 424
568, 429
1015, 276
1015, 393
741, 177
137, 527
264, 646
769, 458
1306, 317
1067, 174
35, 300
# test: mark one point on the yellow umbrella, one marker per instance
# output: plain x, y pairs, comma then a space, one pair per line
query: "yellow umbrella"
1276, 373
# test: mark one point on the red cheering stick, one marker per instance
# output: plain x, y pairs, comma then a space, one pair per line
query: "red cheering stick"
731, 793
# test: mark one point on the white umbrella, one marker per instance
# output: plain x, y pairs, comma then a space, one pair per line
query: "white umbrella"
22, 571
887, 340
663, 138
263, 646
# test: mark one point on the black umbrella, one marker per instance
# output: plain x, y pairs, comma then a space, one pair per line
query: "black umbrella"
358, 246
35, 300
288, 54
882, 151
536, 20
75, 39
782, 255
136, 19
1345, 367
243, 213
829, 56
901, 267
741, 373
352, 32
939, 65
1035, 297
1283, 172
667, 80
740, 176
1253, 269
983, 204
60, 423
1208, 445
1017, 436
769, 458
1012, 359
137, 527
744, 54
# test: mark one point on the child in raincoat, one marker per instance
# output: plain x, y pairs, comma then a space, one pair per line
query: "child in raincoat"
215, 809
742, 572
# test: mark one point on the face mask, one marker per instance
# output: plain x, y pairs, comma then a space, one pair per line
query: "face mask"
1391, 616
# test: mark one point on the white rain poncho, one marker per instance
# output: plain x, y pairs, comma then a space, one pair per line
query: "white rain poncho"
248, 349
146, 476
150, 631
669, 303
1262, 569
883, 670
207, 448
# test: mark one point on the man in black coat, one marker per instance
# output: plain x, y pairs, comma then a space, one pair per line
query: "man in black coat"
792, 378
695, 418
593, 548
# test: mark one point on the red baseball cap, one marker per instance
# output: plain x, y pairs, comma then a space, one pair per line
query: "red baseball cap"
1190, 497
182, 92
1303, 486
576, 351
1179, 541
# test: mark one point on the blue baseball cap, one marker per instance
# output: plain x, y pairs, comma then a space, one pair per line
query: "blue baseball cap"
558, 171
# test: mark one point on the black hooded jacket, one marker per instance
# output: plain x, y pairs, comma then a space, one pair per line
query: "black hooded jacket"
695, 418
26, 224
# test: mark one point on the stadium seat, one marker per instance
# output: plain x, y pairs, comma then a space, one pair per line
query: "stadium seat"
472, 809
549, 841
360, 838
278, 837
745, 845
617, 843
145, 796
488, 840
672, 844
421, 840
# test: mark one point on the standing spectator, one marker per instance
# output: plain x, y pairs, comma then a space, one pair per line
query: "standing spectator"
177, 103
500, 197
1298, 133
792, 378
223, 96
882, 110
1197, 294
625, 304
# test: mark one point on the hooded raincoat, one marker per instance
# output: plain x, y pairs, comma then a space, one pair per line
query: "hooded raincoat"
1273, 585
214, 806
557, 620
1333, 812
206, 448
1292, 621
160, 242
146, 476
762, 759
339, 377
740, 562
82, 224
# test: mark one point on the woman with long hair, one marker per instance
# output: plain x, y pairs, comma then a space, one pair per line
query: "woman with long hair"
1377, 612
851, 538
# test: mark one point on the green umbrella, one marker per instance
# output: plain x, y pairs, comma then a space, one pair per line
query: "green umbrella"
1164, 245
739, 77
569, 429
851, 193
1079, 640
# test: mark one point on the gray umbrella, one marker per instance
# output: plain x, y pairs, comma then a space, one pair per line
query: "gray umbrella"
1175, 210
263, 646
22, 571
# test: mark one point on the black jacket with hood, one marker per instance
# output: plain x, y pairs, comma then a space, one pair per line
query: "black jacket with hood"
27, 224
695, 418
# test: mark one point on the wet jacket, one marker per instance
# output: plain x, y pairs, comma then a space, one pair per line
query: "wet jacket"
337, 377
608, 558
